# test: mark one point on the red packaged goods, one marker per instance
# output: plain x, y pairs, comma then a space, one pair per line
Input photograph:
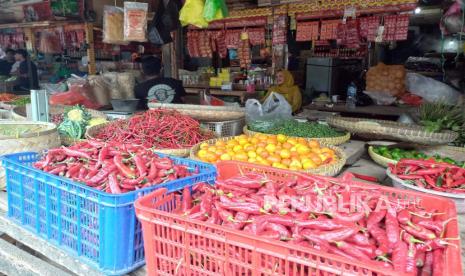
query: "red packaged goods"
402, 27
205, 45
256, 36
193, 44
390, 22
135, 21
221, 44
307, 31
373, 26
348, 34
232, 38
243, 51
329, 29
280, 30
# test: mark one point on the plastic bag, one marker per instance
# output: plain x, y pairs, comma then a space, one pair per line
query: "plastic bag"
80, 92
274, 107
215, 10
113, 24
50, 43
135, 21
432, 90
192, 13
381, 98
163, 23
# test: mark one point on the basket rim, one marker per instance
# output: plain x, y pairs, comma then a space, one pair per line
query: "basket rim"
50, 129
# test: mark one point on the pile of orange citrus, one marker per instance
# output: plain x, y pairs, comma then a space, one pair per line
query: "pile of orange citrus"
278, 151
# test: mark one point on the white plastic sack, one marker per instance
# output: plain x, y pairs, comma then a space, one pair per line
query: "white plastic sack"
274, 107
432, 90
381, 98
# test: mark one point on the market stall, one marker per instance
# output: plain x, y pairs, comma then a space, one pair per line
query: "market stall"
228, 137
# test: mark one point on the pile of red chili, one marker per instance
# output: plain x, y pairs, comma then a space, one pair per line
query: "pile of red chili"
429, 174
406, 239
160, 129
112, 167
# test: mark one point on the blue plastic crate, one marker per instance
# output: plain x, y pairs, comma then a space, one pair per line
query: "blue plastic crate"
99, 228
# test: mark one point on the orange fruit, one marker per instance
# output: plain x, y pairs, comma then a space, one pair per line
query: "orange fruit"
285, 153
241, 157
249, 147
292, 141
261, 144
302, 141
308, 164
264, 154
225, 157
211, 157
295, 165
286, 161
302, 149
252, 154
220, 143
274, 159
286, 145
202, 153
237, 148
313, 144
279, 166
270, 148
281, 138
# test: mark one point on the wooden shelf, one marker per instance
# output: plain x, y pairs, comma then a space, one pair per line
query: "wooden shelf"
38, 24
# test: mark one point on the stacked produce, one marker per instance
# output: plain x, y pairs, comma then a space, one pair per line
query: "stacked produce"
111, 167
397, 154
389, 79
160, 129
278, 151
294, 128
429, 174
406, 239
440, 116
7, 97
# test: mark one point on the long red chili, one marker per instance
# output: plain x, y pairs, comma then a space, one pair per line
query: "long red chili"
399, 256
118, 161
113, 182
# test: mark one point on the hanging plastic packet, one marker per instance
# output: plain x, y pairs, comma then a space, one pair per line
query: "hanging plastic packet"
113, 24
135, 21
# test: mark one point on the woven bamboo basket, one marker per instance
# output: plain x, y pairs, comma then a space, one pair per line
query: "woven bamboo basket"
328, 141
45, 137
455, 153
92, 132
19, 114
326, 170
204, 112
381, 129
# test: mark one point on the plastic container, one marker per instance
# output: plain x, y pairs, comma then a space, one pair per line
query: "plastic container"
459, 199
127, 105
225, 128
99, 228
176, 245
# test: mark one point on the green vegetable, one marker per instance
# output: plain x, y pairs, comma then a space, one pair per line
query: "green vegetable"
397, 154
75, 122
22, 101
294, 128
440, 116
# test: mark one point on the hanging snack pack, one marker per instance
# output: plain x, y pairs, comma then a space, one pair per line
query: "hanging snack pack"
113, 24
135, 21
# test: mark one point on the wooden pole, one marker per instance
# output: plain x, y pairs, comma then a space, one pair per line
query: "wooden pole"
89, 27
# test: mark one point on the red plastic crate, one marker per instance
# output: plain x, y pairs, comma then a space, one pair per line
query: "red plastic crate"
175, 245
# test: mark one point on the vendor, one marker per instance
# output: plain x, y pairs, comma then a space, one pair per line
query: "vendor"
27, 72
287, 88
7, 62
157, 88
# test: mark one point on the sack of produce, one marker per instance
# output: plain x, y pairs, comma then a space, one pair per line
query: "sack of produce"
432, 90
388, 79
135, 21
274, 107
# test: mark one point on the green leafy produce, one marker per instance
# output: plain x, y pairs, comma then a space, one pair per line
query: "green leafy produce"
294, 128
397, 154
75, 122
440, 116
22, 101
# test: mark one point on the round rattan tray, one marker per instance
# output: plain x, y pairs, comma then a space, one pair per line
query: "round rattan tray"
204, 112
381, 129
328, 141
326, 170
19, 113
456, 153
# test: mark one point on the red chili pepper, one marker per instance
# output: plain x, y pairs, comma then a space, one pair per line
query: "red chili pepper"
102, 156
354, 217
404, 216
420, 258
58, 169
375, 217
101, 175
245, 182
427, 269
392, 227
399, 256
282, 230
411, 262
239, 220
126, 171
75, 153
366, 177
381, 238
164, 163
369, 250
193, 210
420, 232
337, 251
438, 262
73, 171
360, 239
113, 184
140, 165
246, 207
214, 218
352, 251
334, 235
431, 171
186, 200
153, 172
283, 220
409, 176
436, 226
270, 234
320, 223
